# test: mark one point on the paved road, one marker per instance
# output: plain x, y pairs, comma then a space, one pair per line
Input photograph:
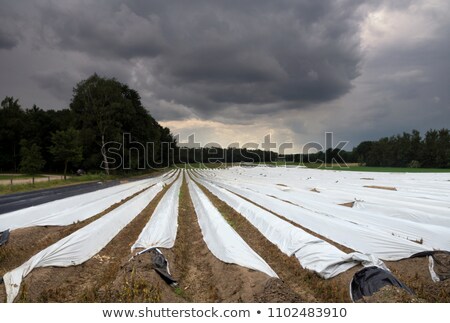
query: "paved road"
17, 201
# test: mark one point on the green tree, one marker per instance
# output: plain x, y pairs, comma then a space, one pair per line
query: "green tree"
32, 161
66, 147
12, 121
96, 103
362, 151
105, 110
416, 146
431, 148
443, 149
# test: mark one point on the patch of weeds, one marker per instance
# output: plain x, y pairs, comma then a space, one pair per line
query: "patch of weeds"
132, 290
7, 253
138, 290
330, 292
89, 295
226, 215
4, 253
181, 194
309, 276
179, 291
229, 221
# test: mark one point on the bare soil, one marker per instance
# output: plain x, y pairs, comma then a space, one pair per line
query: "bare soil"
348, 204
388, 188
390, 294
415, 274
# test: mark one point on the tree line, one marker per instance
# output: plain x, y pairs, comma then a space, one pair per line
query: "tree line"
101, 111
405, 150
184, 155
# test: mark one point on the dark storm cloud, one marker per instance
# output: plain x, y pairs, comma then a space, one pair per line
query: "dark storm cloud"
263, 54
104, 28
7, 41
404, 85
212, 55
10, 33
59, 84
297, 65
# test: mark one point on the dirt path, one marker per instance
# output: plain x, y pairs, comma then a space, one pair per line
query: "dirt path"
94, 280
28, 180
201, 276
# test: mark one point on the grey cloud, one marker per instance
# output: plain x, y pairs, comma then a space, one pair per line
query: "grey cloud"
237, 62
266, 57
7, 41
411, 75
210, 55
60, 84
103, 28
10, 33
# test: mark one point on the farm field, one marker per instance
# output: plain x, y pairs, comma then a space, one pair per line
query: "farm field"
238, 234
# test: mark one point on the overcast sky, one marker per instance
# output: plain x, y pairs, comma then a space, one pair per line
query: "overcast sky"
236, 70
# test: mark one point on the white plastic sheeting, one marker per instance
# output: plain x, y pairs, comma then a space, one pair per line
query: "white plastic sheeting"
75, 208
313, 253
428, 191
433, 236
421, 198
84, 243
406, 211
367, 240
221, 239
161, 229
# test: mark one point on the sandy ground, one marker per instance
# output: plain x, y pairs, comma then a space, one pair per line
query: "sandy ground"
112, 276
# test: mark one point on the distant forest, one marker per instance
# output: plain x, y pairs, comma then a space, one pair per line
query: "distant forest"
406, 150
102, 110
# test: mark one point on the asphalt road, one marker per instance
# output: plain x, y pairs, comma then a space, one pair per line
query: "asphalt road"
17, 201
